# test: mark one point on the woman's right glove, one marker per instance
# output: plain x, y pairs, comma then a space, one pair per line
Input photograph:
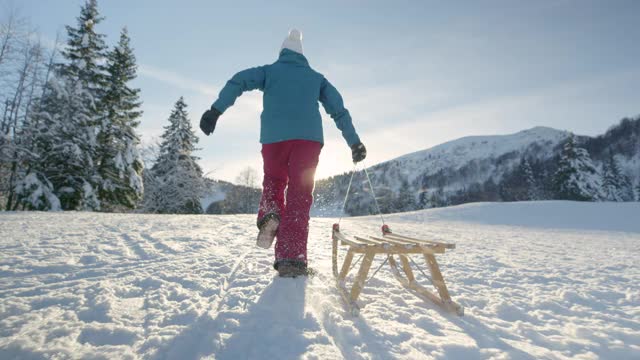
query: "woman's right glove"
358, 152
208, 120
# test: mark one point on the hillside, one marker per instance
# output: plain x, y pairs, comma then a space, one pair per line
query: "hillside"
514, 167
459, 153
555, 280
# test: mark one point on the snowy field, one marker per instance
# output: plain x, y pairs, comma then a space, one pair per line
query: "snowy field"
545, 280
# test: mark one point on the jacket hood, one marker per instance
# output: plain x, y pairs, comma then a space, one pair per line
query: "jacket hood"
291, 57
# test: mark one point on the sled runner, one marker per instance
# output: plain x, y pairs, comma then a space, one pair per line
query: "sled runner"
390, 245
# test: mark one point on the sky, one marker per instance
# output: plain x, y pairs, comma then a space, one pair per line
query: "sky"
413, 74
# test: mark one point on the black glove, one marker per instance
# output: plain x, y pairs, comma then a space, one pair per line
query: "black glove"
358, 152
208, 120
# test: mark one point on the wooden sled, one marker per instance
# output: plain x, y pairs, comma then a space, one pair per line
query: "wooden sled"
391, 244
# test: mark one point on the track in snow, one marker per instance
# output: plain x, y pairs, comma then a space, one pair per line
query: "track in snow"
159, 287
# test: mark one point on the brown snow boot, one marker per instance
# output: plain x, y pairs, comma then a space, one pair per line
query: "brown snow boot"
291, 268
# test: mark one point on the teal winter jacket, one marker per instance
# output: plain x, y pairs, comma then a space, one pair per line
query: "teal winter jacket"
291, 91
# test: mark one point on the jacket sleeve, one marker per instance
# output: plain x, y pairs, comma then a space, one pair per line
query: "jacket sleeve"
246, 80
332, 102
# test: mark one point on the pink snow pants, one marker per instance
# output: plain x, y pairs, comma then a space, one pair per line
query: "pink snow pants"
292, 165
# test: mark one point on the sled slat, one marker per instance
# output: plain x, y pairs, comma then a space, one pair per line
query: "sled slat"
397, 241
346, 241
402, 237
395, 249
411, 244
392, 242
368, 241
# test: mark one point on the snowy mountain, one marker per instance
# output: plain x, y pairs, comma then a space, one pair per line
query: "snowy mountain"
513, 167
538, 280
499, 151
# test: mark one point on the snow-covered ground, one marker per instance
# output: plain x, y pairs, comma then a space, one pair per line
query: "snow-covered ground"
554, 280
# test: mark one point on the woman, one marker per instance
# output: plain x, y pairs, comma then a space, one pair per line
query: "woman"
291, 136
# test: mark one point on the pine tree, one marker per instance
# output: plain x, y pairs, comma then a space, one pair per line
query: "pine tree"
519, 184
120, 164
85, 51
533, 188
638, 191
616, 185
405, 200
385, 198
491, 190
65, 142
35, 192
576, 177
611, 182
177, 182
66, 120
543, 174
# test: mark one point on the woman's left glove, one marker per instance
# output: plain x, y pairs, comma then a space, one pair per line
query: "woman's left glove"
208, 120
358, 152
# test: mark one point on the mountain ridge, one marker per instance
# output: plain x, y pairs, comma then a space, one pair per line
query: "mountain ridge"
481, 168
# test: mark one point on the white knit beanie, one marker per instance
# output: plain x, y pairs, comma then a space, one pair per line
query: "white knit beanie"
293, 42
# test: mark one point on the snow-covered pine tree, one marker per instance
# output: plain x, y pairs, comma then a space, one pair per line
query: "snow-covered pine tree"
405, 200
439, 198
628, 193
533, 188
65, 142
386, 199
177, 182
519, 184
67, 121
576, 177
85, 51
611, 180
120, 163
35, 192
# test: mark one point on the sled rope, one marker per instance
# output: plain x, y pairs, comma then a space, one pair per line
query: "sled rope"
344, 204
375, 272
356, 263
422, 271
373, 194
375, 200
378, 269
